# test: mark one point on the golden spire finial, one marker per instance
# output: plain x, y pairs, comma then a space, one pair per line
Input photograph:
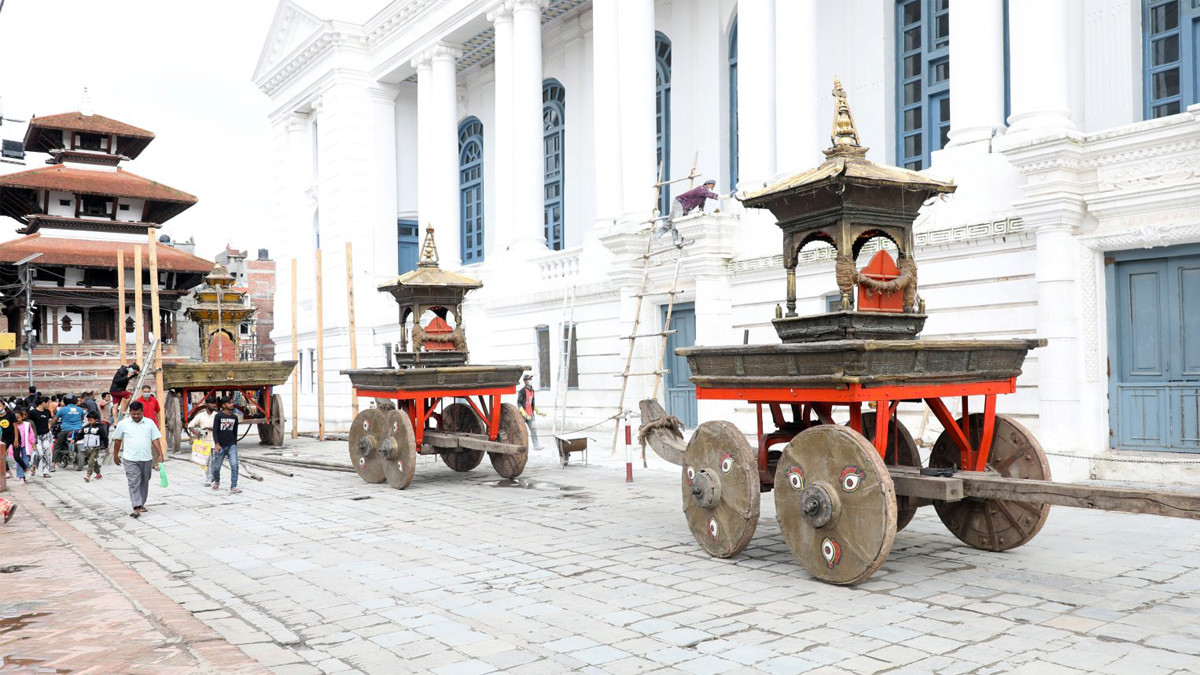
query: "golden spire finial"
845, 134
429, 254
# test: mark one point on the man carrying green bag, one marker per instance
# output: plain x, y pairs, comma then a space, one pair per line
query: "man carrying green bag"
138, 438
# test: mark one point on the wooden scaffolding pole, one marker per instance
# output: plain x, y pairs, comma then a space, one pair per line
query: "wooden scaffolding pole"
138, 335
156, 325
121, 306
320, 353
296, 358
353, 332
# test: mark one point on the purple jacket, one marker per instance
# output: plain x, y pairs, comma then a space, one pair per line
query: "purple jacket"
695, 197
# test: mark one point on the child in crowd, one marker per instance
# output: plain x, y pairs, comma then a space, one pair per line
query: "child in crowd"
24, 443
93, 438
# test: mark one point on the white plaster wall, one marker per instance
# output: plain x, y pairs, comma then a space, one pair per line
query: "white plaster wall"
134, 213
57, 209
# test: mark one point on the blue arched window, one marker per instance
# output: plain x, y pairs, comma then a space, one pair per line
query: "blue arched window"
733, 111
470, 188
662, 114
554, 159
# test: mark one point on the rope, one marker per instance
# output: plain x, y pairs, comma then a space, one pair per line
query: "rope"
669, 422
1123, 460
593, 426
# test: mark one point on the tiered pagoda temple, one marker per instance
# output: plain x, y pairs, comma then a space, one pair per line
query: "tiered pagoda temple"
77, 213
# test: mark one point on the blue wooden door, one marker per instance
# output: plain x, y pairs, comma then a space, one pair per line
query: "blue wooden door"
679, 390
407, 246
1157, 355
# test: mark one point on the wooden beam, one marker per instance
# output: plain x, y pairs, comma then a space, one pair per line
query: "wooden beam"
295, 357
353, 333
137, 305
156, 323
121, 304
979, 485
320, 353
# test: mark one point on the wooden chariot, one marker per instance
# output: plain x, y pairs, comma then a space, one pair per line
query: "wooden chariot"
219, 310
843, 490
434, 403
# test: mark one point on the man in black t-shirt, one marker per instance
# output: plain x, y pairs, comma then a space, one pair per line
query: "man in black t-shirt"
225, 438
44, 452
120, 387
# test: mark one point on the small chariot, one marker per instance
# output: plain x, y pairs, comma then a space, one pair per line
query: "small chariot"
842, 491
219, 309
434, 403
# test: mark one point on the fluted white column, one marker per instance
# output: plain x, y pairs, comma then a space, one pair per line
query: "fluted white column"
437, 149
976, 70
528, 174
756, 93
798, 132
639, 166
1040, 84
606, 110
502, 128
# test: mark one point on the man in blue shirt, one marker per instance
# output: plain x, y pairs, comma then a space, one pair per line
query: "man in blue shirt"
138, 438
70, 418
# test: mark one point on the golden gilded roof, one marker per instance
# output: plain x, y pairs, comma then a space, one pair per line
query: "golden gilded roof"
428, 274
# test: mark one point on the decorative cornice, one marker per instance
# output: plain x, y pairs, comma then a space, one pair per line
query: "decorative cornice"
1145, 236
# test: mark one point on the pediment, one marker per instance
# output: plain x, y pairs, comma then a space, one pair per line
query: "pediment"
292, 26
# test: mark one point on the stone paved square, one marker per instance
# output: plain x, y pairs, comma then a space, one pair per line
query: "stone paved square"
576, 570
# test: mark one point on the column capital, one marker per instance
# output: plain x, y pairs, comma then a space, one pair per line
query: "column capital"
528, 5
383, 93
438, 51
501, 13
317, 105
296, 122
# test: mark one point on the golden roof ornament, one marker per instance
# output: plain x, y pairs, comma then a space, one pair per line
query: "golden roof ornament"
845, 134
429, 254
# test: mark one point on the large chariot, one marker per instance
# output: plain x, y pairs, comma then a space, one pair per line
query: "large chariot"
843, 489
433, 402
219, 310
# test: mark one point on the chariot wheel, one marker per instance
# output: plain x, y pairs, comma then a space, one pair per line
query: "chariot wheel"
901, 451
720, 488
995, 524
512, 431
271, 433
399, 449
460, 417
173, 419
367, 434
836, 504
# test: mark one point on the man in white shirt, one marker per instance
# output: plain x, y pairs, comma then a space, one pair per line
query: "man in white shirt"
201, 429
138, 439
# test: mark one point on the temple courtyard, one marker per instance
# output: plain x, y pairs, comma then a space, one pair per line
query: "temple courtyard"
564, 570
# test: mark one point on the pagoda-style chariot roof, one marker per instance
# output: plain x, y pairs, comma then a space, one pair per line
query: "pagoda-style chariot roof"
97, 253
37, 140
846, 164
163, 202
428, 275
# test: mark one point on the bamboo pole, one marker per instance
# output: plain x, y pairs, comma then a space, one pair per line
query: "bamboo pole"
296, 358
137, 305
353, 333
156, 324
121, 305
320, 353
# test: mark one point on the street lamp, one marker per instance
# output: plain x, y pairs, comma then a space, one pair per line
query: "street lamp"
29, 309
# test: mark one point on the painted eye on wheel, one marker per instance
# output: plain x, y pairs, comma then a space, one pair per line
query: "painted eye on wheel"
852, 478
691, 475
831, 551
365, 425
795, 478
726, 463
712, 527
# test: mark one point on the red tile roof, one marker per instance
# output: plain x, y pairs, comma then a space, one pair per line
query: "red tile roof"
93, 124
94, 253
95, 182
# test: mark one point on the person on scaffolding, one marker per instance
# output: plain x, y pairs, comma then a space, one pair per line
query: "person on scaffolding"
684, 204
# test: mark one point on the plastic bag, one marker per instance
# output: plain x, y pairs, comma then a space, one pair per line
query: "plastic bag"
162, 474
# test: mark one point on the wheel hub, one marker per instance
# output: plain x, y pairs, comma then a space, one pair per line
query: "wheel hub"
706, 489
818, 505
366, 446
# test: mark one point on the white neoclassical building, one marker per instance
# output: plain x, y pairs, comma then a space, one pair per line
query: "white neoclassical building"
530, 134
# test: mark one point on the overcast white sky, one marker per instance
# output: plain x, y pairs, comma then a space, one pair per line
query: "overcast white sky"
179, 69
